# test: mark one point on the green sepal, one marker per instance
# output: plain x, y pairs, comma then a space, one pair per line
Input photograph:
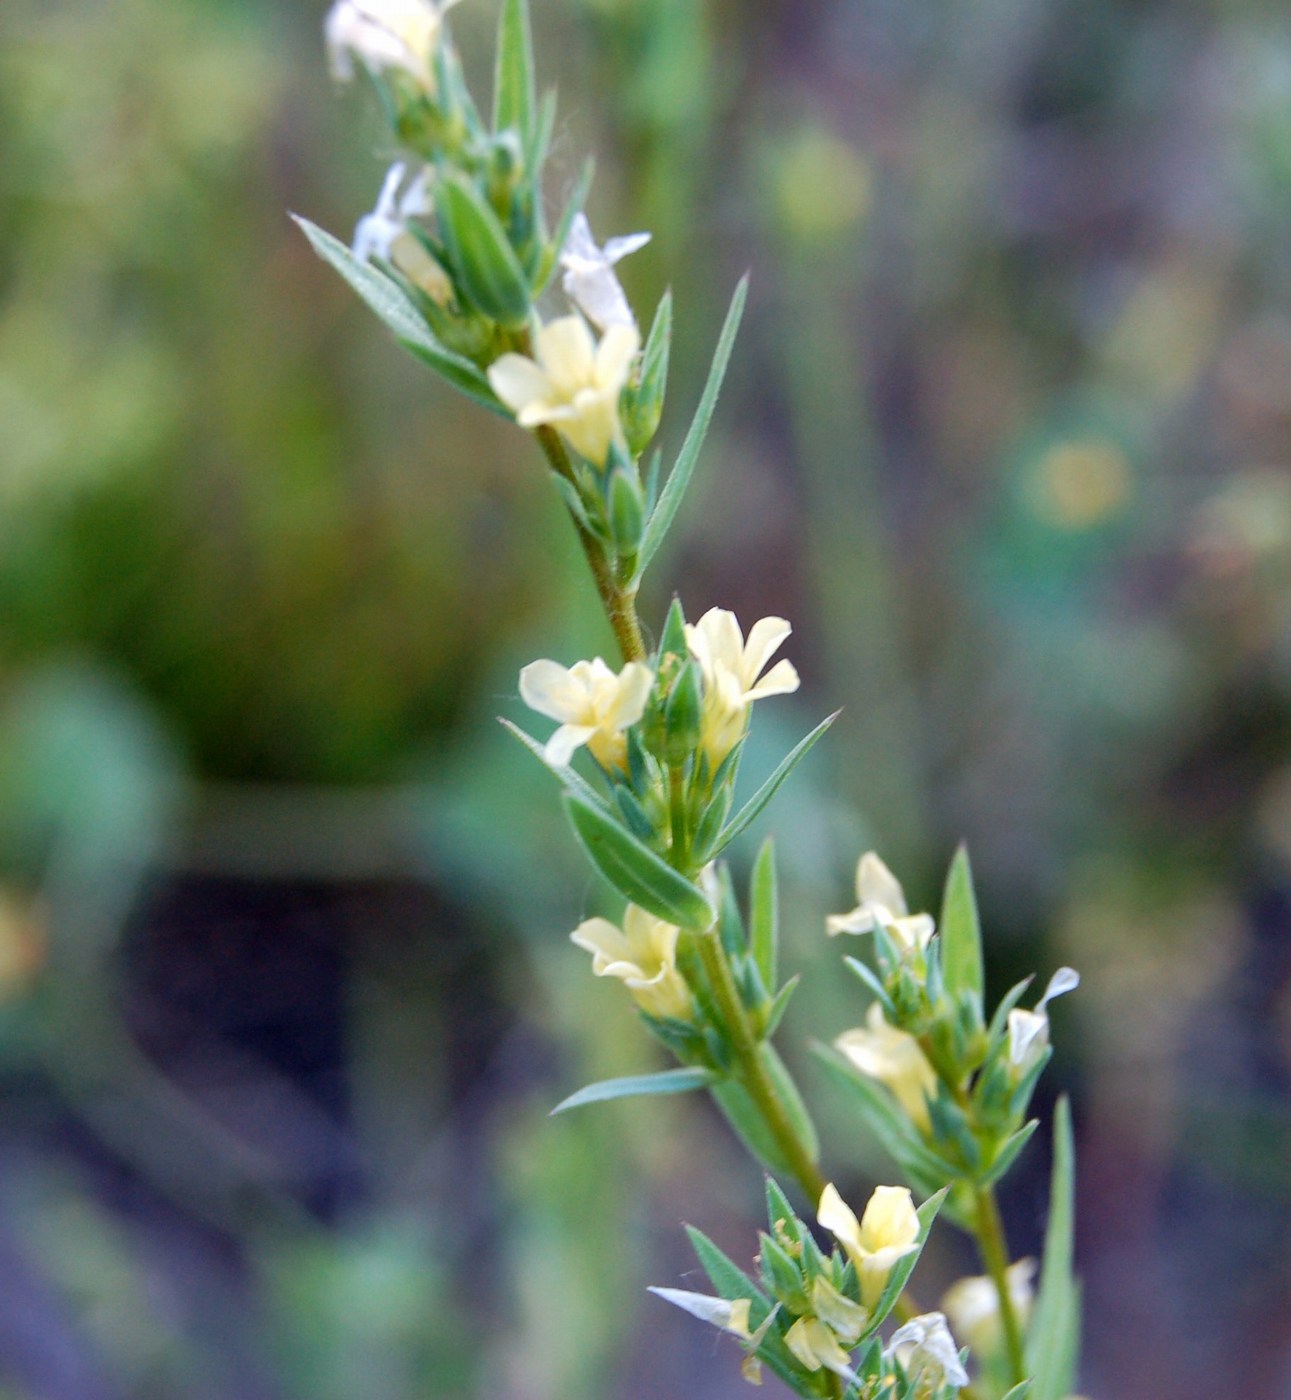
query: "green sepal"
1053, 1336
391, 304
635, 814
778, 1209
707, 833
577, 507
1008, 1153
679, 478
643, 403
776, 1009
634, 869
683, 715
872, 981
673, 640
961, 929
764, 914
514, 100
667, 1081
626, 512
752, 809
782, 1275
484, 264
571, 781
730, 926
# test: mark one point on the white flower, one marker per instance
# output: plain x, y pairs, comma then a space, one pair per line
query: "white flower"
643, 955
928, 1352
880, 902
1029, 1030
885, 1234
384, 233
573, 384
894, 1058
595, 707
731, 1317
381, 34
730, 668
973, 1305
589, 279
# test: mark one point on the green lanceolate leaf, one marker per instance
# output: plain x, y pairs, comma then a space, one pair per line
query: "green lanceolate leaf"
1019, 1392
961, 930
572, 781
393, 307
668, 1081
744, 1116
726, 1276
679, 478
1053, 1335
634, 869
775, 1012
764, 914
514, 102
792, 1100
752, 809
484, 264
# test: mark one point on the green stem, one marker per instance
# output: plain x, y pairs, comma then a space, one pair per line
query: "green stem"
752, 1068
995, 1255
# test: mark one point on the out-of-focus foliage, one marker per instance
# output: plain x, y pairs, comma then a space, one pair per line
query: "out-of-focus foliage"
1017, 369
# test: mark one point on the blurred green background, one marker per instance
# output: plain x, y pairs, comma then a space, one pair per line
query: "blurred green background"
285, 989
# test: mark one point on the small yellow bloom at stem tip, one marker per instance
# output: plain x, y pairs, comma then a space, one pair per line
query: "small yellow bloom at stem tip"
894, 1058
594, 706
643, 955
887, 1231
386, 34
573, 383
731, 668
880, 902
815, 1345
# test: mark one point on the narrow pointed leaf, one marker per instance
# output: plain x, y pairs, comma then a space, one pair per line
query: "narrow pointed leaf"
679, 478
726, 1276
634, 869
485, 267
961, 930
388, 300
764, 914
1019, 1392
752, 809
1053, 1332
573, 782
668, 1081
744, 1116
643, 406
780, 1005
514, 102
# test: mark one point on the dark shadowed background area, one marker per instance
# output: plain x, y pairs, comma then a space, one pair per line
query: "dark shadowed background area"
285, 988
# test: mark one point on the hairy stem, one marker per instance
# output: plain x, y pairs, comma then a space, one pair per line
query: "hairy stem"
752, 1068
995, 1255
619, 600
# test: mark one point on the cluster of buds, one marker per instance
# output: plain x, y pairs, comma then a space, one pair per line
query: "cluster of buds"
813, 1318
957, 1088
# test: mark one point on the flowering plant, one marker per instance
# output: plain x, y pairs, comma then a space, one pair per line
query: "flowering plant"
457, 258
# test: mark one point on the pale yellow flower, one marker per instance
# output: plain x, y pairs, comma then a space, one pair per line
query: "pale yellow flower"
381, 34
973, 1306
884, 1235
880, 902
894, 1058
643, 954
594, 706
1029, 1030
846, 1318
815, 1345
731, 668
573, 384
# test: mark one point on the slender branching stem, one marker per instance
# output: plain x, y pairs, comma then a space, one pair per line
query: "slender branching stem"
995, 1255
752, 1070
